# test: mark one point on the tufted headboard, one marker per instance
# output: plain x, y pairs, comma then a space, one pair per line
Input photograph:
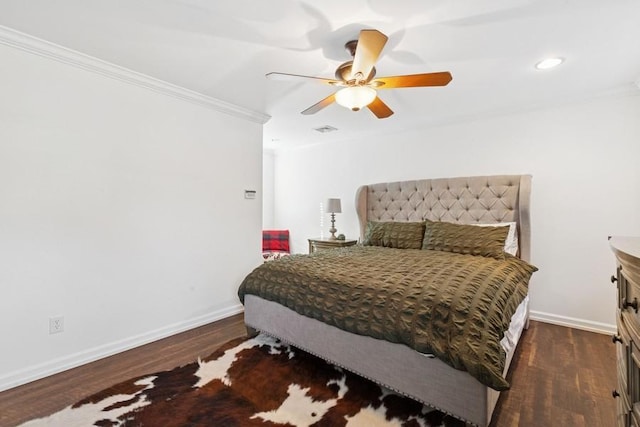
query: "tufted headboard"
463, 200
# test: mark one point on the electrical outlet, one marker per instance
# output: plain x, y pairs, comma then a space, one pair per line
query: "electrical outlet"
56, 324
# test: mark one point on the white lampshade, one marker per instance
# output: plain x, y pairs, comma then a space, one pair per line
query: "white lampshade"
355, 97
333, 206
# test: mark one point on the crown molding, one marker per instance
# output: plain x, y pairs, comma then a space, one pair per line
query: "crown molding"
43, 48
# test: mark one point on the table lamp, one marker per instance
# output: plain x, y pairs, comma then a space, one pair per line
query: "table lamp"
333, 207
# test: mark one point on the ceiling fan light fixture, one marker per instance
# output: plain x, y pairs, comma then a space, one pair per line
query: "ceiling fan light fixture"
355, 97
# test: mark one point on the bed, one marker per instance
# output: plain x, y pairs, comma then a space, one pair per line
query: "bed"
385, 358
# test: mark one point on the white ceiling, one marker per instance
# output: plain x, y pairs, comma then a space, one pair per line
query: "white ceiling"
223, 49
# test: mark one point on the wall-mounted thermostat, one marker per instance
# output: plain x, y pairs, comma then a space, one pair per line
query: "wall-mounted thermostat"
249, 194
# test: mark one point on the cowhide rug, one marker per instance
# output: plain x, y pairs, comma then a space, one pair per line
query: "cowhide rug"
248, 382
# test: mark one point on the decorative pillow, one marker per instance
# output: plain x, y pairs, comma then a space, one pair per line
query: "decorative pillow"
399, 235
465, 239
511, 243
275, 241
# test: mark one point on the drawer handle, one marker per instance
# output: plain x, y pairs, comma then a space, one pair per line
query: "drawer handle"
633, 304
616, 338
615, 394
614, 279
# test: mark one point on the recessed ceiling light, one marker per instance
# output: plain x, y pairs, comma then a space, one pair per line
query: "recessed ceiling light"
547, 63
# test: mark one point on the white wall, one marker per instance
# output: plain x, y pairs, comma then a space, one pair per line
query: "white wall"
268, 182
586, 186
121, 209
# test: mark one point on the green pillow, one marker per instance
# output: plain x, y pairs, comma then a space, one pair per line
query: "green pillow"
399, 235
465, 239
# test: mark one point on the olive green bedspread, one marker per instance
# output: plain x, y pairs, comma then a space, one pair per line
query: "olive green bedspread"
454, 306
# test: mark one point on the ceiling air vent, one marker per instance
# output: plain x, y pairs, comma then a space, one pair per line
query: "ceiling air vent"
325, 129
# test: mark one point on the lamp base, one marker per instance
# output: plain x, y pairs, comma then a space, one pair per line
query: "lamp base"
333, 230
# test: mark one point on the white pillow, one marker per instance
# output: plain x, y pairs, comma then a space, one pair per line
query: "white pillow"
511, 242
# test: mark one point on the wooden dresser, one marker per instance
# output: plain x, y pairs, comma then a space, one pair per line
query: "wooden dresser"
627, 251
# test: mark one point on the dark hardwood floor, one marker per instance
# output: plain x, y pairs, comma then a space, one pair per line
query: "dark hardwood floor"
48, 395
559, 377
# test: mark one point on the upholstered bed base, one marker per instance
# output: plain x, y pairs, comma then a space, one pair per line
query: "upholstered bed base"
466, 200
395, 366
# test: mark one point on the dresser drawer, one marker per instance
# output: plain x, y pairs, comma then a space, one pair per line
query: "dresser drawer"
633, 376
623, 411
629, 268
630, 301
623, 355
635, 416
622, 288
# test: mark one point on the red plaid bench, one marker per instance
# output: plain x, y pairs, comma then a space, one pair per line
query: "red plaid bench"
275, 244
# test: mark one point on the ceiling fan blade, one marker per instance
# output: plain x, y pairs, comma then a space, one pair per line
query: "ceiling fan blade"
413, 80
380, 109
294, 77
370, 44
320, 105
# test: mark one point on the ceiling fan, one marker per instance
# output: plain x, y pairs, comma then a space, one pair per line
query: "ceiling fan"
356, 78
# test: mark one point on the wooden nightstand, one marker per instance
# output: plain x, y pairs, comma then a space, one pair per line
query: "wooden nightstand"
324, 244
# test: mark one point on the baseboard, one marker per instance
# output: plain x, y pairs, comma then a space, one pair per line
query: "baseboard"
55, 366
62, 364
572, 322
